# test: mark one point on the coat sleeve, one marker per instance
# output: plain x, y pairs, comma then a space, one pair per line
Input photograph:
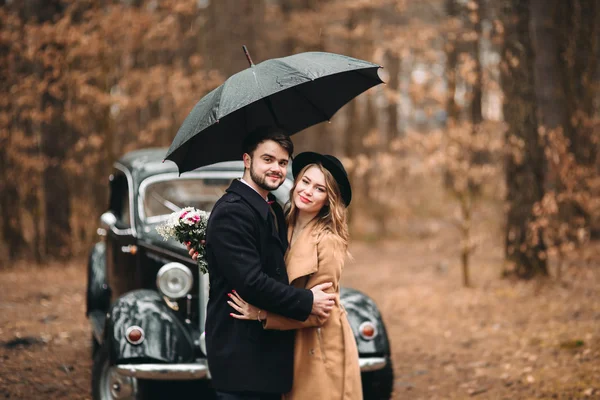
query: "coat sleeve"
331, 256
232, 239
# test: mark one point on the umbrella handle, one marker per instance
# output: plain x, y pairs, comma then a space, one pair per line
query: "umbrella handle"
247, 55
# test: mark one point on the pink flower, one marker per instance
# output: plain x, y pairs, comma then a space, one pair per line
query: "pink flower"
183, 214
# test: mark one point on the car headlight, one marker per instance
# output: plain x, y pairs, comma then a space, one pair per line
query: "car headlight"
174, 280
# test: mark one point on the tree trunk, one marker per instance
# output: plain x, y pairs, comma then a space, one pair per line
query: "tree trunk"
550, 93
524, 249
55, 141
353, 137
548, 86
10, 207
12, 234
452, 108
579, 49
55, 144
466, 207
393, 66
477, 88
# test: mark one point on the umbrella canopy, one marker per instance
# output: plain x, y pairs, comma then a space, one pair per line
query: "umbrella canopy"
291, 93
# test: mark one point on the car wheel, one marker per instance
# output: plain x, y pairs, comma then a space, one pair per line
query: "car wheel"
107, 384
378, 385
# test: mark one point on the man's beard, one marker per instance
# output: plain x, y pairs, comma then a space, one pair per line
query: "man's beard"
261, 181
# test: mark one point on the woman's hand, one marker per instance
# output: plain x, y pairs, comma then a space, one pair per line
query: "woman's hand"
246, 311
191, 251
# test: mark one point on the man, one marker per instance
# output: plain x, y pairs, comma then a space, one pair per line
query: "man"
246, 243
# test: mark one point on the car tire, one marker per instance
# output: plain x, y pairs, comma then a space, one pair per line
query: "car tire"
378, 385
103, 378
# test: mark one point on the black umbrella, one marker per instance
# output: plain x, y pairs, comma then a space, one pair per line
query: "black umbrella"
291, 93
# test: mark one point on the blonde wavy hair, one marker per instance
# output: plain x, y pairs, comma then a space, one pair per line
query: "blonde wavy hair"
333, 216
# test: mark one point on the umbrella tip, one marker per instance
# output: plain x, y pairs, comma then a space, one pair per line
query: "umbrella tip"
247, 55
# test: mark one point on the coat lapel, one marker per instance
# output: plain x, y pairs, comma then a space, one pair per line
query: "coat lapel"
278, 227
302, 258
264, 210
278, 237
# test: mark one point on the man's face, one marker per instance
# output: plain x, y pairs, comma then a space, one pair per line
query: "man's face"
268, 165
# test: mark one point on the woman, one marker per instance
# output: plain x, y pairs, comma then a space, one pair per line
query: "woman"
325, 354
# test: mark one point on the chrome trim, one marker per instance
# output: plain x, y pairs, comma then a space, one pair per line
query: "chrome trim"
171, 266
188, 306
372, 363
202, 342
132, 327
174, 372
203, 289
172, 304
108, 221
129, 177
129, 249
200, 370
374, 330
122, 232
168, 176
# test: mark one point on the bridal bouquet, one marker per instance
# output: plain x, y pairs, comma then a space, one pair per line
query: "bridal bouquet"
188, 225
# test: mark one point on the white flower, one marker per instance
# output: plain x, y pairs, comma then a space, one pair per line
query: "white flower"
167, 230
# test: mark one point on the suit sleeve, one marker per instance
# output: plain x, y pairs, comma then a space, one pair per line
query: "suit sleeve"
331, 262
232, 239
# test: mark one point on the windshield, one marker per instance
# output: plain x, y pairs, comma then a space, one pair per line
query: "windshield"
163, 194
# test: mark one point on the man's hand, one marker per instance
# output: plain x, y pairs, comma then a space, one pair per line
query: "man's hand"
322, 302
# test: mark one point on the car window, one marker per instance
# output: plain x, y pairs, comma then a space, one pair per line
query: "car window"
162, 197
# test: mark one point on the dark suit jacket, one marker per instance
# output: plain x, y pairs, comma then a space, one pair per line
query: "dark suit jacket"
245, 252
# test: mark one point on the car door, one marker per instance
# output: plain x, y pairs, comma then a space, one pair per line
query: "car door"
121, 249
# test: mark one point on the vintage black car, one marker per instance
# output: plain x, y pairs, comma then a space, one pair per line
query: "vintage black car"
146, 299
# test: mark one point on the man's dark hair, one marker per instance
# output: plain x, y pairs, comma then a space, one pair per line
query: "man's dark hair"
263, 134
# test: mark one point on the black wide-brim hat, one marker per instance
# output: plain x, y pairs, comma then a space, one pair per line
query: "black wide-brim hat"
331, 164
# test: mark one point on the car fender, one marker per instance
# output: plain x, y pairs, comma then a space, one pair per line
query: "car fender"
98, 292
165, 338
361, 308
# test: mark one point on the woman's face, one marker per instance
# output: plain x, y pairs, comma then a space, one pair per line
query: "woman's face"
310, 194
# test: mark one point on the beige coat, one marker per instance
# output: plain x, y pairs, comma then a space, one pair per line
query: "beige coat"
325, 354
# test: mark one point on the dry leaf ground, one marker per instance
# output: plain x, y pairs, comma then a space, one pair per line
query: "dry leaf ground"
497, 340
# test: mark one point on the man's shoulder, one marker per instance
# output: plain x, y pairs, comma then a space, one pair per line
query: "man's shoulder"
229, 203
230, 197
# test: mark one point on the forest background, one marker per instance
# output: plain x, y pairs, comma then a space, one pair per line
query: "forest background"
489, 115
